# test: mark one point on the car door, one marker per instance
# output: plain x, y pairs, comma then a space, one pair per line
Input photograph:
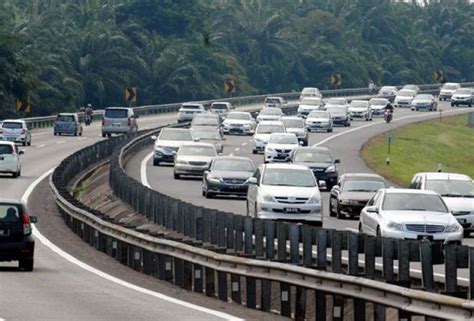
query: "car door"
371, 218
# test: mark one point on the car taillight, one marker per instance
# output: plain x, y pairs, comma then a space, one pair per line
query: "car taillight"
129, 121
25, 218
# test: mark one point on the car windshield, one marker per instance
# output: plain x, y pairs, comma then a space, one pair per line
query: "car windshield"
270, 129
318, 114
411, 87
236, 165
378, 101
219, 106
176, 134
283, 139
12, 125
272, 111
272, 100
413, 202
195, 150
406, 92
308, 156
207, 134
451, 86
464, 91
311, 102
6, 149
336, 101
387, 89
336, 110
241, 116
293, 123
424, 97
308, 91
65, 118
362, 185
116, 113
206, 121
359, 103
288, 177
9, 213
451, 187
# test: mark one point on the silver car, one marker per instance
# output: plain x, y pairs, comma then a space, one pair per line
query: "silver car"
360, 109
168, 143
221, 108
15, 130
463, 96
193, 159
268, 114
319, 120
239, 122
308, 104
272, 102
378, 106
118, 120
448, 89
213, 137
296, 126
424, 102
404, 98
410, 215
263, 132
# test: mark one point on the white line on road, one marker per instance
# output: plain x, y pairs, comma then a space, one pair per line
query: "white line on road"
61, 142
39, 146
82, 138
109, 277
237, 149
244, 144
143, 170
231, 154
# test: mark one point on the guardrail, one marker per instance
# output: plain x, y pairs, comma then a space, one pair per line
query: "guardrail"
48, 121
257, 266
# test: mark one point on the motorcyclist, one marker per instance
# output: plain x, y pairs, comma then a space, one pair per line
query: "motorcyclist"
389, 108
88, 114
388, 114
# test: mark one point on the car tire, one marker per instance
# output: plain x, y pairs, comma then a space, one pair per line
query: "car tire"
360, 228
24, 143
26, 264
15, 175
109, 135
378, 233
470, 104
339, 214
331, 210
80, 134
18, 174
55, 134
467, 233
176, 176
209, 195
156, 162
103, 135
254, 151
75, 133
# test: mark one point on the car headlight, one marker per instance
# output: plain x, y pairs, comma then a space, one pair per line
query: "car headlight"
395, 226
215, 180
270, 150
268, 198
454, 228
331, 169
315, 199
247, 125
181, 162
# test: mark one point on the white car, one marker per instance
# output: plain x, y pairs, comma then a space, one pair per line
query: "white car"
319, 120
360, 109
457, 191
309, 104
424, 102
448, 89
239, 122
310, 92
463, 96
280, 147
272, 102
193, 159
15, 130
168, 142
378, 106
286, 192
412, 87
269, 114
340, 115
404, 98
263, 132
10, 159
388, 92
411, 215
221, 108
296, 126
336, 102
188, 110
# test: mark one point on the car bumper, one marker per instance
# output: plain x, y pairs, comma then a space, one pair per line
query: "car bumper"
339, 121
461, 101
190, 169
445, 95
279, 211
377, 112
359, 115
277, 157
319, 126
227, 189
424, 107
406, 235
259, 146
402, 104
66, 130
237, 130
352, 210
115, 130
15, 139
13, 251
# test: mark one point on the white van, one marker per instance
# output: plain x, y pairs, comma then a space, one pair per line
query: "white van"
10, 159
118, 120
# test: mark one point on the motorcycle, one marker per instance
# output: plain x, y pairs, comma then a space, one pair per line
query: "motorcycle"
87, 120
388, 115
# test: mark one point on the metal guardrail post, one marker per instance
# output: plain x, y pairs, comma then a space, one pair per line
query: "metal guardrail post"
427, 266
230, 233
321, 243
258, 236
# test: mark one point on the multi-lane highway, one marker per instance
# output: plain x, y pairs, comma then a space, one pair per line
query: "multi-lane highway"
64, 287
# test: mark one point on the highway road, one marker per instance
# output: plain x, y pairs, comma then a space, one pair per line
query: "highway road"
72, 281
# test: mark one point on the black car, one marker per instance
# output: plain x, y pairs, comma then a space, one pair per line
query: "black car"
320, 161
16, 241
227, 175
352, 193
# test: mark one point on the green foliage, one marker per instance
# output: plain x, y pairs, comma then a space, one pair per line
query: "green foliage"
66, 53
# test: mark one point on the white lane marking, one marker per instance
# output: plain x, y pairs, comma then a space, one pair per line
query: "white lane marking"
244, 144
39, 146
82, 138
61, 142
231, 154
143, 175
109, 277
237, 149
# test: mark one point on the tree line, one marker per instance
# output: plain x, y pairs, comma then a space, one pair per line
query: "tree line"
63, 54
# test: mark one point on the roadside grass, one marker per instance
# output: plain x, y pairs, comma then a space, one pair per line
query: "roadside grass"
421, 147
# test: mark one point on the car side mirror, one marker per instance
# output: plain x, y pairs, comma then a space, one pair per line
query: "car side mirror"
337, 161
335, 188
253, 181
154, 137
322, 184
33, 219
21, 152
372, 209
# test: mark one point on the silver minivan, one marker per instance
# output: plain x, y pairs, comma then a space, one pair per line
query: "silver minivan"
118, 120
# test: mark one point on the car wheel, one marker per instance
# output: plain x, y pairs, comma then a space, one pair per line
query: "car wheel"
103, 135
339, 215
24, 143
75, 133
80, 134
176, 176
15, 175
452, 104
26, 264
156, 162
55, 134
470, 104
29, 143
360, 228
331, 209
109, 135
209, 195
254, 151
379, 234
467, 233
18, 174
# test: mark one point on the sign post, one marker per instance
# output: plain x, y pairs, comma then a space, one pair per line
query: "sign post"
335, 80
229, 86
389, 138
438, 76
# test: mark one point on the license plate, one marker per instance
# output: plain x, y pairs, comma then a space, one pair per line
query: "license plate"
461, 221
291, 210
4, 232
116, 125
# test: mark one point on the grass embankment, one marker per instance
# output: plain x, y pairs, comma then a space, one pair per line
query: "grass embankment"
421, 147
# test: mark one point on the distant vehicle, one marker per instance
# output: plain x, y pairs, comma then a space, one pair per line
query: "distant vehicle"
193, 159
352, 192
285, 192
360, 109
378, 106
309, 104
188, 110
388, 92
410, 215
16, 240
263, 132
10, 159
211, 137
404, 98
321, 162
424, 102
168, 142
227, 175
448, 89
15, 130
207, 121
319, 120
462, 96
412, 87
280, 147
457, 191
221, 108
238, 122
310, 92
268, 114
336, 102
118, 120
67, 123
340, 115
272, 102
296, 126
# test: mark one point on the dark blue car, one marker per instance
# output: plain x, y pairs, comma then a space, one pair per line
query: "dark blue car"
67, 123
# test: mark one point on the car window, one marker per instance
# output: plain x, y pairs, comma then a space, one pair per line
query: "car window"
207, 134
288, 177
197, 107
241, 116
270, 129
312, 156
293, 123
283, 139
272, 100
413, 202
233, 165
12, 125
9, 213
65, 118
176, 134
116, 113
355, 103
219, 106
195, 150
272, 111
6, 149
451, 187
362, 185
373, 201
207, 121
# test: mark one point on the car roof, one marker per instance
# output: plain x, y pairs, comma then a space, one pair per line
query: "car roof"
127, 108
4, 142
407, 191
312, 149
11, 200
286, 165
284, 134
239, 112
271, 122
274, 97
67, 114
191, 103
198, 144
359, 100
451, 83
361, 175
234, 158
174, 129
221, 102
423, 95
445, 176
291, 117
13, 121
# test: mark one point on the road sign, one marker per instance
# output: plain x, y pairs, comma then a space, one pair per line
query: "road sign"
229, 86
131, 94
23, 105
438, 75
389, 136
335, 79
